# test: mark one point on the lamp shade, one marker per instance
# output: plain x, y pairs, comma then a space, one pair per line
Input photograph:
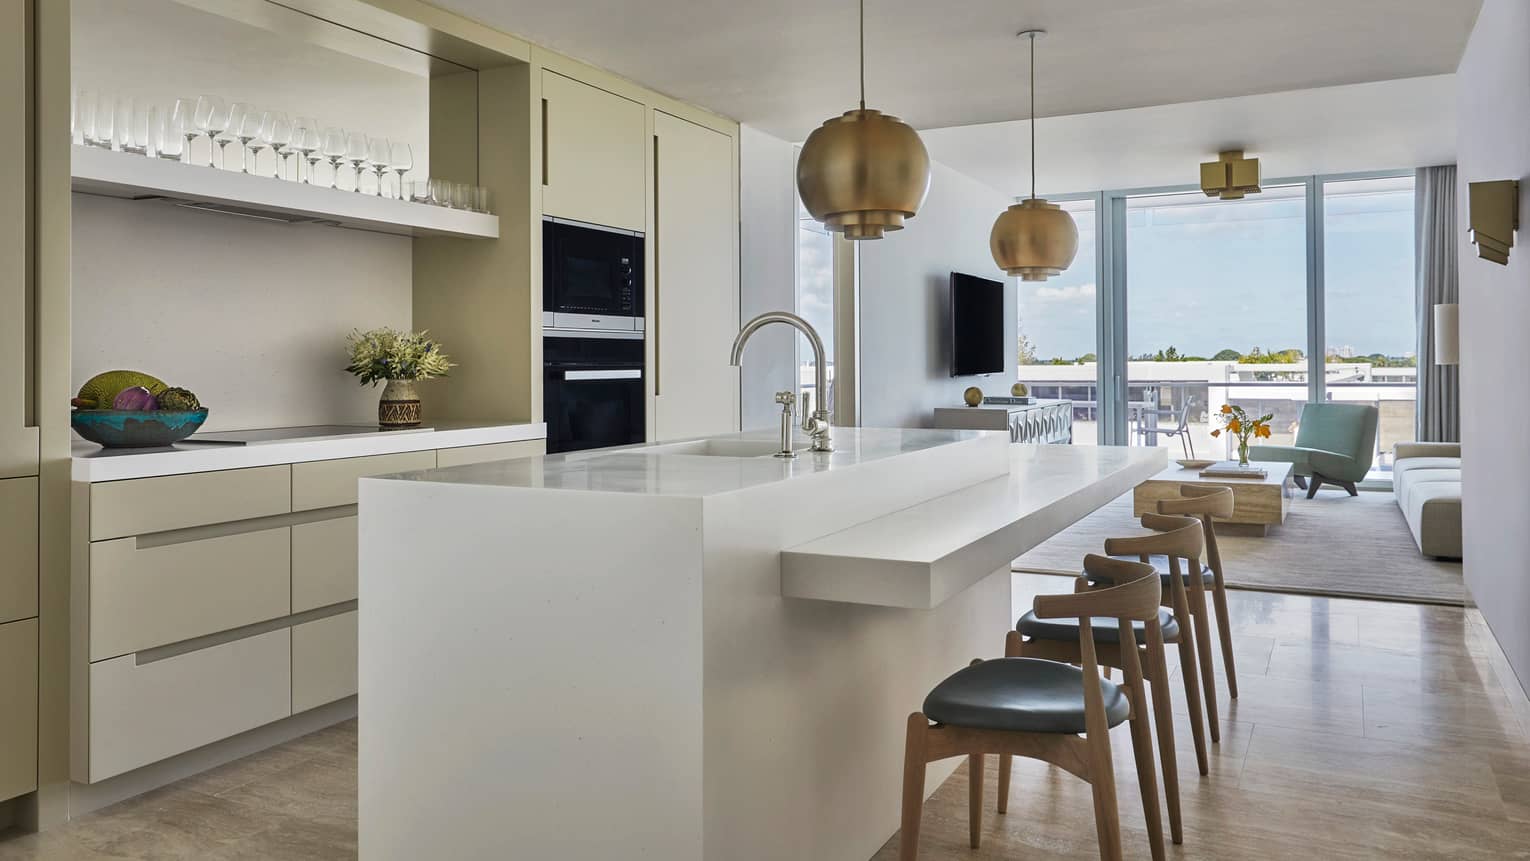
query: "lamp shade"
1034, 240
1447, 334
863, 173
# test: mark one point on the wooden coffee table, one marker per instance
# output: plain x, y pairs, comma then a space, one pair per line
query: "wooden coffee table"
1258, 503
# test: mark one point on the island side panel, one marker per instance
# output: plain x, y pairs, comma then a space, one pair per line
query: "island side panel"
807, 701
530, 673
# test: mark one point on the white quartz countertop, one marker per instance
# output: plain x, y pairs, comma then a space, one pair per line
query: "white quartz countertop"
692, 468
920, 556
93, 463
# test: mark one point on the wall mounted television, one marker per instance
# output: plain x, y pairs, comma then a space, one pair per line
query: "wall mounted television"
977, 325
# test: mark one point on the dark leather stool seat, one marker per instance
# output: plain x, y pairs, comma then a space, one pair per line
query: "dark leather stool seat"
1105, 630
1020, 695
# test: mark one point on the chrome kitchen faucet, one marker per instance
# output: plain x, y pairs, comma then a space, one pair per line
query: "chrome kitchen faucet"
814, 422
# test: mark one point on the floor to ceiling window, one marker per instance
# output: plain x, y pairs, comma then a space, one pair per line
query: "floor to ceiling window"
815, 298
1368, 289
1057, 330
1216, 314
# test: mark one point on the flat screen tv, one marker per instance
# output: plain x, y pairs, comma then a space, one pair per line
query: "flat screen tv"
977, 325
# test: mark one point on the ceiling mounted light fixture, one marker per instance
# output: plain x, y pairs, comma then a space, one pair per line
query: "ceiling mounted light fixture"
864, 172
1033, 239
1231, 176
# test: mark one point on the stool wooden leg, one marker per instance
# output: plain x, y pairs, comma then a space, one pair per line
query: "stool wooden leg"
975, 799
1014, 647
1224, 630
913, 786
1163, 722
1102, 780
1203, 646
1147, 781
1189, 675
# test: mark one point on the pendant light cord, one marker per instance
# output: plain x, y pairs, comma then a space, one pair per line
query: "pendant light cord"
863, 55
1033, 115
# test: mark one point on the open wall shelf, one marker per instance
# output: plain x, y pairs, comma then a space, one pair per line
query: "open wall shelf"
135, 177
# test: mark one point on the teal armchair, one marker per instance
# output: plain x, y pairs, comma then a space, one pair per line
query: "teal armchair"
1334, 444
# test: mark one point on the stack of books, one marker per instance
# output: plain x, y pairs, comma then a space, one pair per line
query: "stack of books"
1231, 469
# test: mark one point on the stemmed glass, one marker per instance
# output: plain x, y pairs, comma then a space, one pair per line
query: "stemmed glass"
211, 118
356, 154
305, 142
244, 124
379, 154
275, 133
182, 122
400, 160
333, 149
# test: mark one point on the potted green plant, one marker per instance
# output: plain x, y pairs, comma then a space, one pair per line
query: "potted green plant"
398, 359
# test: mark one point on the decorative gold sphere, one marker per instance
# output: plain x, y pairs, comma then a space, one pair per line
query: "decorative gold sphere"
863, 173
973, 396
1034, 240
1019, 390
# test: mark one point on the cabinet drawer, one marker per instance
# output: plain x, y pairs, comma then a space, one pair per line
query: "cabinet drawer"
327, 483
323, 563
323, 661
18, 708
18, 539
142, 713
484, 453
143, 505
141, 597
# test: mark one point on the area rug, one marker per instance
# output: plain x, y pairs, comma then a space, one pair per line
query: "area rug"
1335, 545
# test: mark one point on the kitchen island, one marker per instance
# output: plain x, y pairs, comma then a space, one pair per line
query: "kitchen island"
685, 650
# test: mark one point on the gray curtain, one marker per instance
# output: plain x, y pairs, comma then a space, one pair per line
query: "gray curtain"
1434, 221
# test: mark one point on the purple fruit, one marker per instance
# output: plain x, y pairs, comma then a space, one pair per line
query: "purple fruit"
134, 398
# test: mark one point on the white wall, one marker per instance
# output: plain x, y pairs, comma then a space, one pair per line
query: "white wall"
250, 315
905, 355
768, 275
1494, 103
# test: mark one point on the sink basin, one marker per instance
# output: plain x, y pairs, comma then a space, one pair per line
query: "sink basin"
718, 448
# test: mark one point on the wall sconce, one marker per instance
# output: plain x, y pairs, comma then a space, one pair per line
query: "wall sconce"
1447, 334
1231, 176
1493, 215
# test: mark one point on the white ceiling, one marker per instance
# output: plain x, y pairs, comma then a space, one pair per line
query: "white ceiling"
786, 65
1358, 127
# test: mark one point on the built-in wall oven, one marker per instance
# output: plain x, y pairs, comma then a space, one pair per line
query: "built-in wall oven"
592, 277
592, 390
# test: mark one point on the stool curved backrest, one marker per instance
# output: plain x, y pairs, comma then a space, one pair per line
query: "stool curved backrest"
1174, 537
1200, 500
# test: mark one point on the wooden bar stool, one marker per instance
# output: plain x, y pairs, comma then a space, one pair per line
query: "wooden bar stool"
1205, 503
1046, 710
1057, 640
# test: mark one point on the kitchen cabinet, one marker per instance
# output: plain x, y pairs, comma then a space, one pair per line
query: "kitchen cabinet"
593, 154
18, 708
695, 291
323, 661
18, 535
19, 437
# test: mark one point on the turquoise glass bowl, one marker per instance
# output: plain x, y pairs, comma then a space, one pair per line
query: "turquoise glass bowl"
136, 428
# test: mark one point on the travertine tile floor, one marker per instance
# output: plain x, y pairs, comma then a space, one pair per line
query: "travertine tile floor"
1363, 730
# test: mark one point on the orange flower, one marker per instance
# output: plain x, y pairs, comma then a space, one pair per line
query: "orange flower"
1226, 409
1217, 432
1234, 426
1264, 431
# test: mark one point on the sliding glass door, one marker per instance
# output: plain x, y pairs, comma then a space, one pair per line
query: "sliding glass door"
1216, 313
1058, 322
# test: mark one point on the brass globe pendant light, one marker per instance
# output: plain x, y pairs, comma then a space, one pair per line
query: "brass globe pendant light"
864, 172
1033, 239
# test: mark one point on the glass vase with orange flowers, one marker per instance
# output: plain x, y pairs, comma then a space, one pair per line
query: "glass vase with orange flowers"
1238, 423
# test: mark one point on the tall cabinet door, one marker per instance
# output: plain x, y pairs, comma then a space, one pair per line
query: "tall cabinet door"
592, 154
18, 427
695, 291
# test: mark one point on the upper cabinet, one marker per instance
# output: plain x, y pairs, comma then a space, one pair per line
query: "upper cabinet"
695, 291
592, 154
18, 425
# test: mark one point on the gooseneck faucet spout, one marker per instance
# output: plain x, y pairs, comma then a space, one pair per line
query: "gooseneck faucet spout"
814, 422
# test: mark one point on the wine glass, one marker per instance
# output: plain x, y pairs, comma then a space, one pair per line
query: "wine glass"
244, 124
182, 122
356, 154
169, 141
275, 133
211, 117
333, 149
400, 160
306, 142
378, 157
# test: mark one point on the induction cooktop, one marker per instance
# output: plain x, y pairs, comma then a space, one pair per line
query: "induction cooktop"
261, 436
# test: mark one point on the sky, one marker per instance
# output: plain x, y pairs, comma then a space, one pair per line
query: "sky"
1205, 275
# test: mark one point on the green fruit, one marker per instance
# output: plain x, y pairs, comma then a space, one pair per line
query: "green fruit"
175, 398
98, 391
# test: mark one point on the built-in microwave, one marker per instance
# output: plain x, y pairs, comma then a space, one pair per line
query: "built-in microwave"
592, 277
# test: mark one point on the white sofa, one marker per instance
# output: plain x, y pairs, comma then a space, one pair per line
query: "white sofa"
1426, 479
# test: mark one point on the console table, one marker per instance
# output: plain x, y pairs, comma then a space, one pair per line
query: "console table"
1037, 422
